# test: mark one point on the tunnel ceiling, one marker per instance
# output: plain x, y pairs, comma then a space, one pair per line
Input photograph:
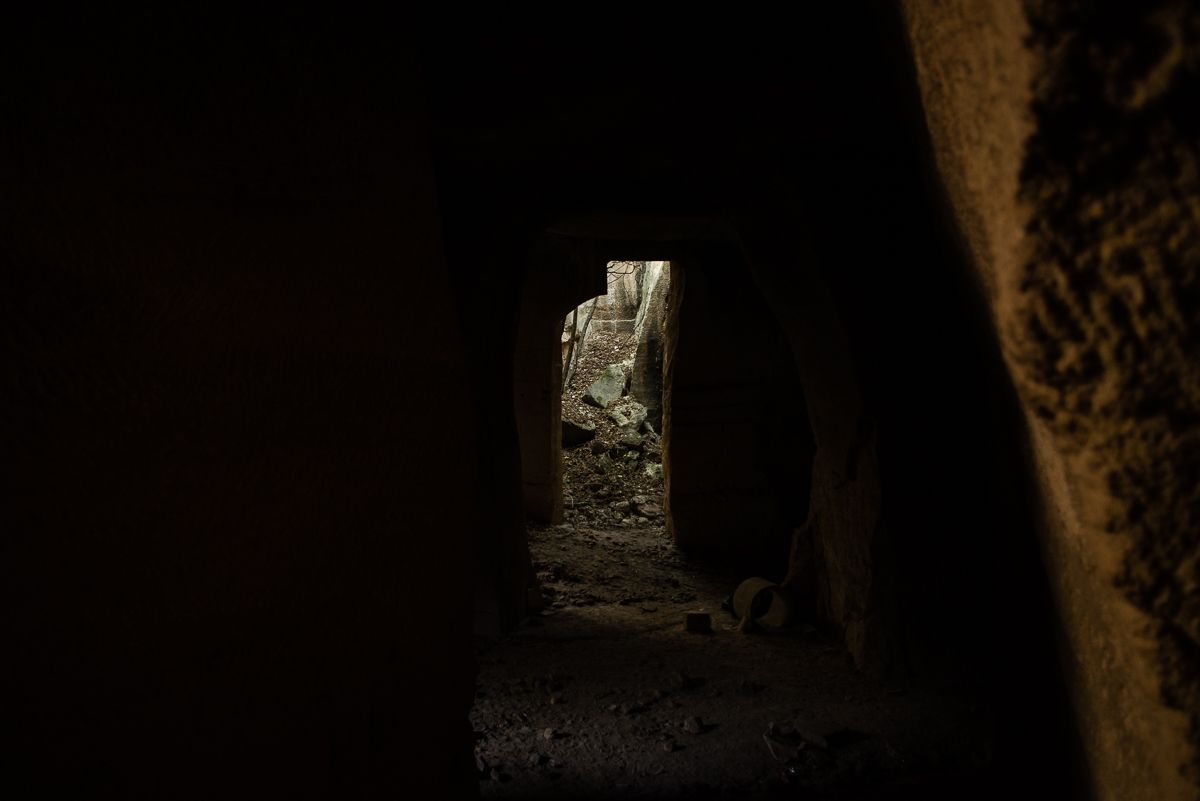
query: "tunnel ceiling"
656, 123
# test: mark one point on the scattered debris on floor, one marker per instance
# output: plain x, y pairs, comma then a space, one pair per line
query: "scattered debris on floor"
612, 689
617, 479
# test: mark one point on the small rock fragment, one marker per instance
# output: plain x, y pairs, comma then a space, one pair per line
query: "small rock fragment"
631, 442
629, 416
607, 388
693, 725
698, 622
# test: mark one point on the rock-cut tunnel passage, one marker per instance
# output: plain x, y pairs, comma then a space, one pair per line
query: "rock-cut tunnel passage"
686, 458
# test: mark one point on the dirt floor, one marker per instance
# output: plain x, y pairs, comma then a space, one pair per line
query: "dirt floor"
605, 694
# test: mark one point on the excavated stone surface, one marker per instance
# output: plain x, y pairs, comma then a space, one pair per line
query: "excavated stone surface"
1066, 139
647, 379
1106, 326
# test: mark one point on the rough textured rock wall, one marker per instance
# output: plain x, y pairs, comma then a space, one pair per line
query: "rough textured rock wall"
834, 558
618, 306
646, 383
624, 290
654, 272
1066, 136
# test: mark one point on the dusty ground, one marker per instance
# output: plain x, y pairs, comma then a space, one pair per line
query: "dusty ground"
606, 695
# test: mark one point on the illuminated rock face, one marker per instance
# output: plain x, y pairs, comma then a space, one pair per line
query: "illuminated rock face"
1066, 139
646, 381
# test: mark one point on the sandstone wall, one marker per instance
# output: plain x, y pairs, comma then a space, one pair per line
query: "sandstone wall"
232, 422
554, 280
1066, 142
738, 442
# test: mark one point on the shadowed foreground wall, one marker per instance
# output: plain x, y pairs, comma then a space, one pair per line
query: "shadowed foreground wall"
557, 278
233, 397
737, 438
1067, 140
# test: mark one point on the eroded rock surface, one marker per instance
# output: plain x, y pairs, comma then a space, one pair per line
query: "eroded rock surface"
1078, 193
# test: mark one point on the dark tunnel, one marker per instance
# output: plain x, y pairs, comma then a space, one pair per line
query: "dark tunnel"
290, 511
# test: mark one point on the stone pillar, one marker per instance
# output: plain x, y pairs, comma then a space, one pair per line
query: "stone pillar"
537, 399
553, 284
727, 440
